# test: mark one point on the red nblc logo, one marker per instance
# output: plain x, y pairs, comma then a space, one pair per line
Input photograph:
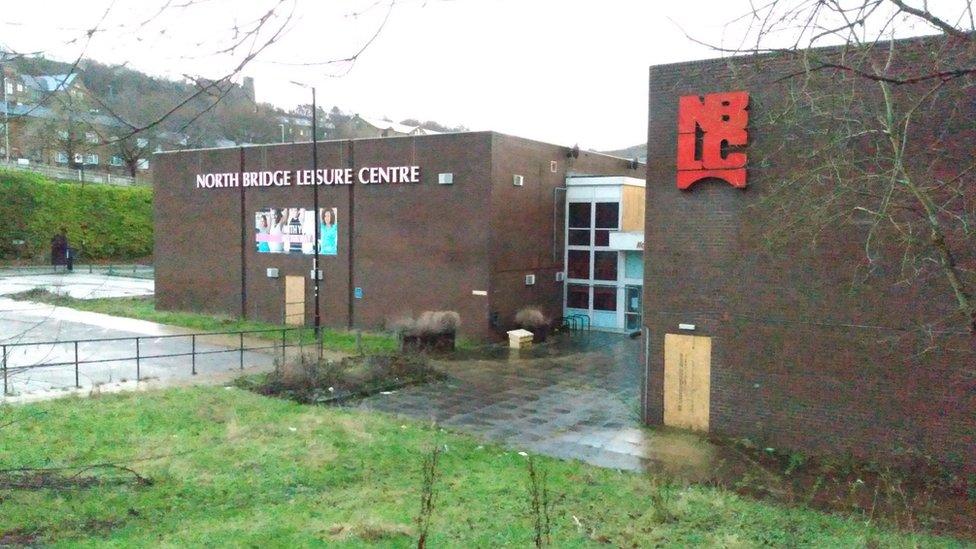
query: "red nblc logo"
709, 127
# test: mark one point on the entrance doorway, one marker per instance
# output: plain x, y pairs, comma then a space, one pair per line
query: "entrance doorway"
632, 308
294, 300
687, 381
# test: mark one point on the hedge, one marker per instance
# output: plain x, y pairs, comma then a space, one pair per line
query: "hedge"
103, 221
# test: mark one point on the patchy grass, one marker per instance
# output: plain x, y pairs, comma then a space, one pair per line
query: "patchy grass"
231, 468
144, 308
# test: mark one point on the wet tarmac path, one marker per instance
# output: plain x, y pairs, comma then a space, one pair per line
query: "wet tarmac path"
577, 397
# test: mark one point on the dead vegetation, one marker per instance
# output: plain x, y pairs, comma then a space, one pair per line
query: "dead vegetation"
427, 324
913, 494
313, 380
427, 493
65, 478
530, 317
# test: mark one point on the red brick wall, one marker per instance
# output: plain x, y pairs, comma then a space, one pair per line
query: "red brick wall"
417, 247
522, 235
813, 347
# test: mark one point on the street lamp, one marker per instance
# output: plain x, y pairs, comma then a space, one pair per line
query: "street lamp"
315, 209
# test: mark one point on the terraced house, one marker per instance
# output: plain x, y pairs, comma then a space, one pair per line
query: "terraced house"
52, 120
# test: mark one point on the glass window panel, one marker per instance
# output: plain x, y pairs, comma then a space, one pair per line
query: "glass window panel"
602, 238
577, 296
607, 215
605, 265
579, 264
579, 237
604, 298
579, 215
633, 322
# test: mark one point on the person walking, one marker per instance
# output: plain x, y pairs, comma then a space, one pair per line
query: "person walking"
59, 248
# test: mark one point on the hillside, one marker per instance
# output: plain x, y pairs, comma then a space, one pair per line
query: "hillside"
102, 221
228, 114
637, 151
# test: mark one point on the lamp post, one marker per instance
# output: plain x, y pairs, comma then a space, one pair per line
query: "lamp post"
315, 209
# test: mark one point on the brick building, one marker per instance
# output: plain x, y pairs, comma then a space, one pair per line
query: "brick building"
471, 222
765, 318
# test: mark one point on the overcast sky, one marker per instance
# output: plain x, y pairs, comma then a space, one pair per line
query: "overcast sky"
564, 71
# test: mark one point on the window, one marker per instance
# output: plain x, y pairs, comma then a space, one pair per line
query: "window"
605, 265
604, 298
579, 264
61, 157
579, 215
577, 296
91, 137
607, 219
607, 214
79, 158
91, 159
20, 87
579, 237
142, 142
10, 87
116, 160
143, 164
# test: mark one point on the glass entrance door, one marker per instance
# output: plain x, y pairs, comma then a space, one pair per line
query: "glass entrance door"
633, 308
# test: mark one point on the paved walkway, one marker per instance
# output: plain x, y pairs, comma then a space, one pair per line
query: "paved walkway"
77, 285
25, 326
577, 398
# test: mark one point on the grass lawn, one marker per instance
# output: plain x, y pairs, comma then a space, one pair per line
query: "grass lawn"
144, 308
234, 468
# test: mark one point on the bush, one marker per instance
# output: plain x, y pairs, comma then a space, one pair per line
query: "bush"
530, 317
429, 323
103, 221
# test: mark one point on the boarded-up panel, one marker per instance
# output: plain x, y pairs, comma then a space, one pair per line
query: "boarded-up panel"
687, 381
632, 212
294, 300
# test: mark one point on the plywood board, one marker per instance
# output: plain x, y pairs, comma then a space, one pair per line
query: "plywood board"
632, 209
687, 381
294, 300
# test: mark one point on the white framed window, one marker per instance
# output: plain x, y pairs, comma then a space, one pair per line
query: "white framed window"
143, 164
10, 87
91, 137
61, 157
91, 159
142, 142
20, 87
79, 158
116, 160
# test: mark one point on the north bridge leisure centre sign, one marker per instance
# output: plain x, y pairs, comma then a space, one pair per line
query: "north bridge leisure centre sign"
369, 175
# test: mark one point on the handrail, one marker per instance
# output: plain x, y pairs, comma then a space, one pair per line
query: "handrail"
279, 343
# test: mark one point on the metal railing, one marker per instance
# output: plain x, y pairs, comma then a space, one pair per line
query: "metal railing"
278, 339
86, 176
575, 322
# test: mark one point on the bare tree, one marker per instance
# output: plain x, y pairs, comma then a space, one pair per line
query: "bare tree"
876, 135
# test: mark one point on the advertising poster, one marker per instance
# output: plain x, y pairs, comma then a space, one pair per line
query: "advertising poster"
292, 231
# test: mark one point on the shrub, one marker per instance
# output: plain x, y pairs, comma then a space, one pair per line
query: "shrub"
427, 324
530, 317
